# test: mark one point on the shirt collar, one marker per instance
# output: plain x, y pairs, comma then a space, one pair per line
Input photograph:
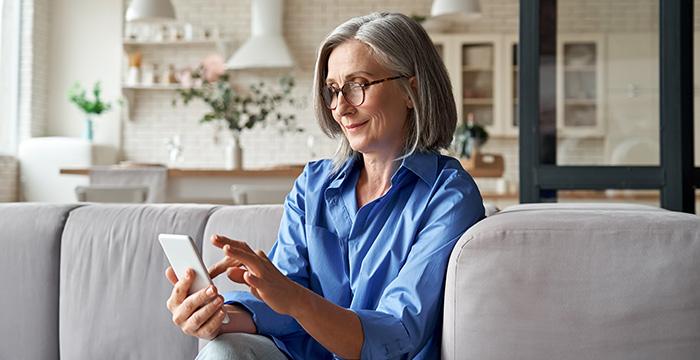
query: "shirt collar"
342, 174
423, 164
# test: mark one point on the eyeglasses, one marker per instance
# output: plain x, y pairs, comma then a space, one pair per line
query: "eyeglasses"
353, 92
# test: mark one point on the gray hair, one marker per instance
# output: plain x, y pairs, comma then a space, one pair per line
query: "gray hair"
401, 45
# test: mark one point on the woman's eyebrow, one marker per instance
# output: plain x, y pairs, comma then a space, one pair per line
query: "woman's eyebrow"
352, 75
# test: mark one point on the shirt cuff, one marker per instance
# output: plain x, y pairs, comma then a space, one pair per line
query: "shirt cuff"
267, 321
385, 337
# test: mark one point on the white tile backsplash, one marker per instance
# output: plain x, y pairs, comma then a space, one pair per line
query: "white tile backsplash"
9, 175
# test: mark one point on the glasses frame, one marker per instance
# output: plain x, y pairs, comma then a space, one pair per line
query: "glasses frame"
347, 87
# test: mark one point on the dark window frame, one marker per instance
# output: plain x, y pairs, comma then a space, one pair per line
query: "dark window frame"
540, 177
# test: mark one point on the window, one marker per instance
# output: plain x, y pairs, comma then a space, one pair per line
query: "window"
561, 83
9, 74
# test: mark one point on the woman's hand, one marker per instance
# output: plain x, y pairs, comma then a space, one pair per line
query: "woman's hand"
199, 314
254, 269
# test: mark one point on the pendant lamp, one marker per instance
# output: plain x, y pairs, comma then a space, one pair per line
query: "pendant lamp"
150, 11
456, 9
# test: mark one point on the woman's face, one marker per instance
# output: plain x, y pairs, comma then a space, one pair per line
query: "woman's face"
377, 126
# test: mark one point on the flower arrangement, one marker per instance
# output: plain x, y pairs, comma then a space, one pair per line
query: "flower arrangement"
237, 110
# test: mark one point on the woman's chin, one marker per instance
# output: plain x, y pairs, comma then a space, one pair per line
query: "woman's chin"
358, 145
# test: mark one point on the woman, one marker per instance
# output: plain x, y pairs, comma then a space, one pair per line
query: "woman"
359, 264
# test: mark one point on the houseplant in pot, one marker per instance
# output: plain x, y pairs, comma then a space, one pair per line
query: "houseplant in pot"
91, 107
235, 109
469, 138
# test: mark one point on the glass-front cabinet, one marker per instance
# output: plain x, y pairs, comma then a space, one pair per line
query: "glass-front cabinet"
580, 85
484, 72
473, 63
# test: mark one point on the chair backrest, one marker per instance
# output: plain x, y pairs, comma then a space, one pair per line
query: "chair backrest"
259, 194
112, 194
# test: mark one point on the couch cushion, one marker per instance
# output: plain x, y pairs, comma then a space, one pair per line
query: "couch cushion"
30, 236
113, 288
256, 224
571, 281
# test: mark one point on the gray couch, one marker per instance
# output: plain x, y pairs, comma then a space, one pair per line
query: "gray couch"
531, 282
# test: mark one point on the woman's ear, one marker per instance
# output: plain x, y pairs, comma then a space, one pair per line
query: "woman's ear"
412, 83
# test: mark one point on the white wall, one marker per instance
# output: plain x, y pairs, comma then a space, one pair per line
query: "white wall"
84, 44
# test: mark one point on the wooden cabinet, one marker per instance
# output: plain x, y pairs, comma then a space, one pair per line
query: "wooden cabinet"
484, 72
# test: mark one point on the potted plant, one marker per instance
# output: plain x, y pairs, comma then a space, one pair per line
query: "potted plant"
234, 109
91, 107
470, 137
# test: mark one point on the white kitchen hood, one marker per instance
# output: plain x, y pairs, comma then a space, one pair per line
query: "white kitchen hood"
266, 47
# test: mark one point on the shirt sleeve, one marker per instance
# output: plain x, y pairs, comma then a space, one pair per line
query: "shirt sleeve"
289, 254
411, 305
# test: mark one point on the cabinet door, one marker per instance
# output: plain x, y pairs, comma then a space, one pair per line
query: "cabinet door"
511, 71
580, 85
479, 81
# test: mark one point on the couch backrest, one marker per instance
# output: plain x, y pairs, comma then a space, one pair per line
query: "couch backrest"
567, 281
255, 224
30, 236
112, 285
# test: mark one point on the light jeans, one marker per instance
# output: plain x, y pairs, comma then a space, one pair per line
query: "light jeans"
240, 346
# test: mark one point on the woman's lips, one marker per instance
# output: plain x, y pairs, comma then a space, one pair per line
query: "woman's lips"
355, 126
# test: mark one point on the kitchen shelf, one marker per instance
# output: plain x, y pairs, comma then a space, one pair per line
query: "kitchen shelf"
130, 91
476, 68
478, 101
172, 42
220, 44
154, 87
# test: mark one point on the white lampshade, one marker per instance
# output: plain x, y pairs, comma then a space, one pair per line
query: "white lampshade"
464, 9
150, 11
266, 47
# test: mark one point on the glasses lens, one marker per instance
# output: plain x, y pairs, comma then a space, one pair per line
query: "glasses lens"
329, 97
354, 93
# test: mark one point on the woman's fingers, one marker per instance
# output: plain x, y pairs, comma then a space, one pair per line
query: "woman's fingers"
198, 318
170, 274
220, 240
212, 327
180, 290
192, 303
251, 279
236, 274
247, 257
221, 266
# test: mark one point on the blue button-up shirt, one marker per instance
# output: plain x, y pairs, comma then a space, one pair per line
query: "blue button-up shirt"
385, 261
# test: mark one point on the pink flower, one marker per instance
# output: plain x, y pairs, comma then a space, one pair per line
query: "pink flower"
213, 66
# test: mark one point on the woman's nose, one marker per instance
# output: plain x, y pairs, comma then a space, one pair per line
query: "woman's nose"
344, 106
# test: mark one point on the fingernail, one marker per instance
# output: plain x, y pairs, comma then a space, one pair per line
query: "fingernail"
210, 291
217, 301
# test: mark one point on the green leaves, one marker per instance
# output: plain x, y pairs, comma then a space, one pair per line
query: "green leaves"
241, 110
77, 95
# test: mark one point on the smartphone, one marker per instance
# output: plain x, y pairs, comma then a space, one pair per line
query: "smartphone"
182, 253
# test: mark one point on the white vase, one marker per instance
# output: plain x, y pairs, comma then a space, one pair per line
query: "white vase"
233, 153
